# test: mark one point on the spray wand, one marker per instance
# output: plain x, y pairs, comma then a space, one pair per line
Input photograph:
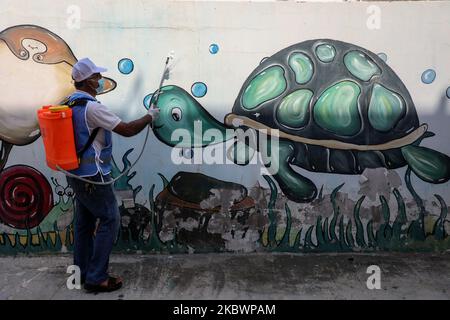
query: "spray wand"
153, 105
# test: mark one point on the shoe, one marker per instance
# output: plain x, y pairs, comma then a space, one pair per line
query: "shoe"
113, 284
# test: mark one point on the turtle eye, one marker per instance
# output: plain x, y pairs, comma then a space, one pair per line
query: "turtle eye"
176, 114
23, 53
39, 57
68, 191
59, 190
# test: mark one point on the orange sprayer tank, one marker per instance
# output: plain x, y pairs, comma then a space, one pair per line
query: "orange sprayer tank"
56, 127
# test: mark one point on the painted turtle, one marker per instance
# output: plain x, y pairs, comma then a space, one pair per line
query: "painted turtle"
337, 108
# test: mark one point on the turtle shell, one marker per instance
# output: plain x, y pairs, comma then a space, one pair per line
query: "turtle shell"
326, 89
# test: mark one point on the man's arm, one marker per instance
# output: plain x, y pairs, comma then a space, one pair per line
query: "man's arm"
129, 129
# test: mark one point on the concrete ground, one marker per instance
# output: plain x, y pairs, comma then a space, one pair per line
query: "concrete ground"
238, 276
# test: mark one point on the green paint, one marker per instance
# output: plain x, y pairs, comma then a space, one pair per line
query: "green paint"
164, 180
384, 233
325, 53
61, 209
398, 233
358, 223
385, 108
240, 153
335, 212
337, 109
416, 229
360, 65
123, 183
343, 244
154, 242
309, 245
320, 232
302, 66
439, 226
272, 216
429, 165
292, 183
267, 85
293, 110
285, 241
181, 113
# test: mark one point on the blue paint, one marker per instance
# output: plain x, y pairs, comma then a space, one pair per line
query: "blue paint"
126, 66
147, 100
214, 48
383, 56
199, 89
428, 76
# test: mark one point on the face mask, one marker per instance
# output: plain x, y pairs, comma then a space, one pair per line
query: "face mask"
101, 86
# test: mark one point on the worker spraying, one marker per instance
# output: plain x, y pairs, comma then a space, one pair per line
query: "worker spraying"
93, 125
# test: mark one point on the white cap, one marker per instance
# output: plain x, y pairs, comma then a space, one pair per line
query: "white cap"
85, 68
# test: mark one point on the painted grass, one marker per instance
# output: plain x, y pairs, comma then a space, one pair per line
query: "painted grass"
337, 236
53, 241
332, 234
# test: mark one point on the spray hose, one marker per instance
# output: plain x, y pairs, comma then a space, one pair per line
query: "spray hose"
150, 126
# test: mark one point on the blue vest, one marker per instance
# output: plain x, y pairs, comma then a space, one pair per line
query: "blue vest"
88, 166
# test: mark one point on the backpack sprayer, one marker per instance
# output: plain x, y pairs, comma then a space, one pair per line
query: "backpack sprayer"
56, 127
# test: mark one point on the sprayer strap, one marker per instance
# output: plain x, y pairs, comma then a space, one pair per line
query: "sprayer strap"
88, 143
83, 103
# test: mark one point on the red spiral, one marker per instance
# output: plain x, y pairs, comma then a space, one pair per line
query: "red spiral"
26, 197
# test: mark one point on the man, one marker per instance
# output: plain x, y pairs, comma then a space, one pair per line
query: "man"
96, 203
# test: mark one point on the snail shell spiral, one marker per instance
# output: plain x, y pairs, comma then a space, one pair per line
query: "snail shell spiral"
26, 197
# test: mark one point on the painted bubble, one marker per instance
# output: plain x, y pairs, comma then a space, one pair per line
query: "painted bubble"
448, 92
199, 89
213, 48
428, 76
126, 66
383, 56
147, 100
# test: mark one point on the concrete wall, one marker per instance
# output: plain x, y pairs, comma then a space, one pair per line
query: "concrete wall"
324, 200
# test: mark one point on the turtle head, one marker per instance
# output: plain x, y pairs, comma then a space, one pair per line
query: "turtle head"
182, 120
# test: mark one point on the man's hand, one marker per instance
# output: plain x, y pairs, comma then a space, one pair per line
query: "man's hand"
153, 112
129, 129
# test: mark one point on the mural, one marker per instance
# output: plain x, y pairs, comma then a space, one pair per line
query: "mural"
35, 70
337, 109
216, 216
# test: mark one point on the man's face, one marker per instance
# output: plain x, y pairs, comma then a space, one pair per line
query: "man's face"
93, 80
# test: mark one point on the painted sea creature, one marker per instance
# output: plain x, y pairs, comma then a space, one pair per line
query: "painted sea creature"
336, 107
35, 70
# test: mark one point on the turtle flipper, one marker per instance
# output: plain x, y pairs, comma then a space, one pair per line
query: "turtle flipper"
429, 165
242, 151
295, 186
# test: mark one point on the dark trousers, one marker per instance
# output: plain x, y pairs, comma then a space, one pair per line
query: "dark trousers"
92, 203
